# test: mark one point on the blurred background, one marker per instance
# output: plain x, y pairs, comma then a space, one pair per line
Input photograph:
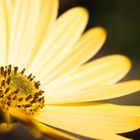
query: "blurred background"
121, 19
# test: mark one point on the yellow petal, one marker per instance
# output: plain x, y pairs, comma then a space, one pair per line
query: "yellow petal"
46, 18
4, 30
91, 120
31, 20
94, 93
37, 128
4, 127
64, 34
25, 119
103, 71
83, 50
54, 133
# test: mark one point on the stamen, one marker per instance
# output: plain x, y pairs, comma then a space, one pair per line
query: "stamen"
28, 97
9, 97
33, 101
31, 79
5, 73
38, 94
29, 76
2, 71
19, 91
40, 99
9, 69
16, 91
8, 80
7, 90
3, 83
15, 69
14, 98
26, 106
8, 103
37, 84
20, 99
22, 72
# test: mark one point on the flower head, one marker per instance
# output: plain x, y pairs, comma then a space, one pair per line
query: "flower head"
46, 82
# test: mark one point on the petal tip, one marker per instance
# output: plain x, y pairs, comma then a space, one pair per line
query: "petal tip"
102, 31
128, 61
82, 11
124, 60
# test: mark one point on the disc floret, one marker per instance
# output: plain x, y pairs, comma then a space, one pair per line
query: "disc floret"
19, 91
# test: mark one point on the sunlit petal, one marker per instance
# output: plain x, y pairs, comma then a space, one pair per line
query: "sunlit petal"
93, 93
83, 50
90, 120
103, 71
63, 36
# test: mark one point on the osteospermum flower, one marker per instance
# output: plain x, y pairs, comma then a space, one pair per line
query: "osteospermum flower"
55, 50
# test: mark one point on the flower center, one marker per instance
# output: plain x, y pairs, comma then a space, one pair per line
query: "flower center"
19, 91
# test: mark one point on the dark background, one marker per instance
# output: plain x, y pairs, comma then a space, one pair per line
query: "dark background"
121, 19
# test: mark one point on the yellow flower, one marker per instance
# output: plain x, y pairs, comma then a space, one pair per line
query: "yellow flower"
71, 91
